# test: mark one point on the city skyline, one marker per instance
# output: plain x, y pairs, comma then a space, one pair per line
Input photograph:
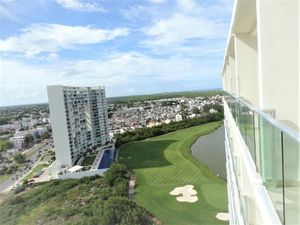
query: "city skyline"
131, 47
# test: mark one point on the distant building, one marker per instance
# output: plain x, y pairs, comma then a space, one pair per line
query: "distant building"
167, 121
151, 124
79, 121
178, 117
261, 80
192, 116
18, 141
41, 130
6, 127
213, 111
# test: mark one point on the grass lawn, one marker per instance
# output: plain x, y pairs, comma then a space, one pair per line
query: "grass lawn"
36, 169
163, 163
88, 160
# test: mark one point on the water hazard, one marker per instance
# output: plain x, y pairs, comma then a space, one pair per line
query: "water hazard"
210, 150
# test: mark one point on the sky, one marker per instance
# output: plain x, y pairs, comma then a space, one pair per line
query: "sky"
129, 46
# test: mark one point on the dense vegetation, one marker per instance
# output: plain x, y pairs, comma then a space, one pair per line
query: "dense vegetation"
19, 158
143, 133
162, 163
137, 98
5, 144
87, 201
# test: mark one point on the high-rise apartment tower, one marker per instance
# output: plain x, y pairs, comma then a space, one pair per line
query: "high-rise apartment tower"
79, 121
262, 105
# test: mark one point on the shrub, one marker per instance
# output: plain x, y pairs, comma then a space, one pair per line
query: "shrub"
17, 200
116, 173
19, 189
123, 211
19, 158
121, 188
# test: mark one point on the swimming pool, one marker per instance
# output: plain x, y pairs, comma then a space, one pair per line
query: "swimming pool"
107, 159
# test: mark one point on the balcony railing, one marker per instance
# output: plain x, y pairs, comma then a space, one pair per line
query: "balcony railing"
275, 150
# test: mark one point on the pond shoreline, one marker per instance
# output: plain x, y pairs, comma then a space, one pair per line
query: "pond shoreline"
210, 151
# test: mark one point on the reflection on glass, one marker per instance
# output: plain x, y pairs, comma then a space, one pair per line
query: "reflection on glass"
250, 131
291, 155
271, 163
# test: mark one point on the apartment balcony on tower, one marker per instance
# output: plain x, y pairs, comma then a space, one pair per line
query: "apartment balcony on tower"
261, 105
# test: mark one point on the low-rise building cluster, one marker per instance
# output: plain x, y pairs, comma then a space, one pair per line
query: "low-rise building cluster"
23, 121
130, 116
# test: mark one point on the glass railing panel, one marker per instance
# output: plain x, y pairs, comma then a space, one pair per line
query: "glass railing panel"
256, 119
240, 119
291, 155
271, 162
233, 104
227, 98
250, 131
276, 156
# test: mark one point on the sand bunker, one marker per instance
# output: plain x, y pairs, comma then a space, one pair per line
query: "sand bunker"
223, 216
186, 193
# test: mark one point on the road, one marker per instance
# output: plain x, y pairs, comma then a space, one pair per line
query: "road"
32, 156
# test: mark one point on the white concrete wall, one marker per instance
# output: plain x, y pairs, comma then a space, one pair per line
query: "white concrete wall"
278, 49
262, 67
59, 125
81, 174
246, 67
232, 74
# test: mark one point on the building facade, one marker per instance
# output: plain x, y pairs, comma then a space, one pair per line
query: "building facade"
18, 141
262, 112
79, 121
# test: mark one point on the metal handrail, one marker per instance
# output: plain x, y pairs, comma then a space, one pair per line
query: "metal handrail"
281, 126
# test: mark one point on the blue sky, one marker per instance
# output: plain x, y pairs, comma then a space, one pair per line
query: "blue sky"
129, 46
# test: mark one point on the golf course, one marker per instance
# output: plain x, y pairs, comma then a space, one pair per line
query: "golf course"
164, 163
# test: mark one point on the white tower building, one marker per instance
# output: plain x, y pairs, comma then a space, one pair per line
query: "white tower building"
262, 112
79, 121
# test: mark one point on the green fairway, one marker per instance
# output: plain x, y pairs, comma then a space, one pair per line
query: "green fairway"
163, 163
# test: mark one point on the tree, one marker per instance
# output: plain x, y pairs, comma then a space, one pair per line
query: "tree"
46, 135
25, 183
121, 210
5, 144
195, 110
29, 139
116, 173
19, 158
121, 188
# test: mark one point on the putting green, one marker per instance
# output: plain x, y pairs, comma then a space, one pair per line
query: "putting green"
164, 163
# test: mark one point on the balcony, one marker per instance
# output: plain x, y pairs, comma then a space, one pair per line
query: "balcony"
275, 150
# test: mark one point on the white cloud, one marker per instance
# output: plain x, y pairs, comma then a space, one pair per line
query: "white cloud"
121, 73
191, 26
157, 1
38, 38
80, 5
181, 27
188, 5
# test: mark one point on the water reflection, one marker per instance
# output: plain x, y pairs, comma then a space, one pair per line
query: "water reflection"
210, 150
